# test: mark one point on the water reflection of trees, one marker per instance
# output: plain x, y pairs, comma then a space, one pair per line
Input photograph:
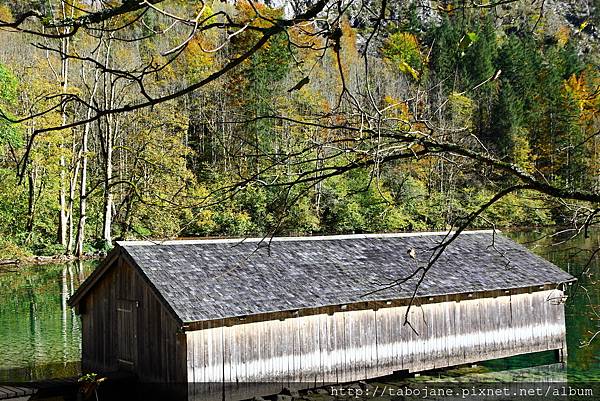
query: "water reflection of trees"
577, 254
40, 333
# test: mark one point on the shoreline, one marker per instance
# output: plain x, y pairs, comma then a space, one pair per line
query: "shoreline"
62, 258
44, 260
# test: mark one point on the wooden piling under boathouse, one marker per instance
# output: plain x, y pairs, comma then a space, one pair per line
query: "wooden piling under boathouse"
316, 309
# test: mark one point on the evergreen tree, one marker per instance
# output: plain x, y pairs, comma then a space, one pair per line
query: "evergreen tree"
445, 53
479, 67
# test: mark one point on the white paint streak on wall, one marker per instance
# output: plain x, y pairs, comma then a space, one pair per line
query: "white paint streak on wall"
355, 345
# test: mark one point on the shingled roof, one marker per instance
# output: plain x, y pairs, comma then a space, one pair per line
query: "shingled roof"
204, 280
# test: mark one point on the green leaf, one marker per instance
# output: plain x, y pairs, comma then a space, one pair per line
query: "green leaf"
467, 40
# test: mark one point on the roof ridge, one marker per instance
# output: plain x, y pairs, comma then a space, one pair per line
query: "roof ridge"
297, 238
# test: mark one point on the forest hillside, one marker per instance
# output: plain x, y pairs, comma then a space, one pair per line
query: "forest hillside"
302, 139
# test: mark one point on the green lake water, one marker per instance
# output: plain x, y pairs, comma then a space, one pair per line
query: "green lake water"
40, 335
582, 306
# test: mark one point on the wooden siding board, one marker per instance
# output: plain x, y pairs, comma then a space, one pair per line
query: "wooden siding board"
323, 351
228, 349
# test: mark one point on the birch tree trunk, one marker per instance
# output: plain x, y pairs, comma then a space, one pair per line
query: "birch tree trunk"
64, 75
108, 197
83, 193
71, 201
83, 183
80, 240
109, 100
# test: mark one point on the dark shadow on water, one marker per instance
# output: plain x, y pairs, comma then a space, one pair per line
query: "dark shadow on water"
522, 361
384, 388
540, 382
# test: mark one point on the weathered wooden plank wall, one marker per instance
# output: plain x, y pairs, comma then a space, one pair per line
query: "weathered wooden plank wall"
355, 345
149, 335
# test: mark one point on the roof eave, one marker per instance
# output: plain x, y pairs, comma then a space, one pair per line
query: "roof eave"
194, 325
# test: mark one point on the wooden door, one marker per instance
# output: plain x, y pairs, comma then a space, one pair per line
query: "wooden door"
127, 334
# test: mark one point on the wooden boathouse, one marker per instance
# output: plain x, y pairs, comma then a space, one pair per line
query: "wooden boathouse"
304, 309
